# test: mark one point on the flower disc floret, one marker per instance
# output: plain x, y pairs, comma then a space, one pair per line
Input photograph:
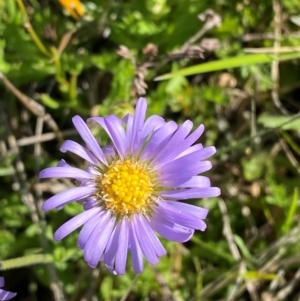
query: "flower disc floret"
126, 188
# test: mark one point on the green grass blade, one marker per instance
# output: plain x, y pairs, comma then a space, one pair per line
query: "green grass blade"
234, 62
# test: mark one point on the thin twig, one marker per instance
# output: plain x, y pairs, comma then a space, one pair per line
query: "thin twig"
275, 63
34, 107
44, 137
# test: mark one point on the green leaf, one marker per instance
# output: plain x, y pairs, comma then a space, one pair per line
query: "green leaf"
284, 122
234, 62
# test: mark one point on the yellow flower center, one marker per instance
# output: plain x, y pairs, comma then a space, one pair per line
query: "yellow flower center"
126, 188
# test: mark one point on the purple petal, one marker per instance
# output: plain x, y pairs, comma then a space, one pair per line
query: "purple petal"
171, 231
101, 241
171, 149
94, 237
87, 230
90, 202
186, 143
155, 242
158, 140
115, 130
180, 207
112, 248
4, 295
137, 126
109, 152
149, 243
195, 182
189, 159
65, 172
144, 242
135, 249
152, 124
185, 171
190, 150
192, 193
88, 138
128, 120
63, 163
79, 150
191, 139
68, 196
181, 217
74, 223
2, 282
121, 255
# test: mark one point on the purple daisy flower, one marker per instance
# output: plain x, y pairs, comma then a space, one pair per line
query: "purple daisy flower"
131, 189
5, 295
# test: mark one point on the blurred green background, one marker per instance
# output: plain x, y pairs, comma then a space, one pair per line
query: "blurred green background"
231, 65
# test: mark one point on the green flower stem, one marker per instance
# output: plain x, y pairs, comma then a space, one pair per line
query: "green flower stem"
25, 261
73, 87
31, 31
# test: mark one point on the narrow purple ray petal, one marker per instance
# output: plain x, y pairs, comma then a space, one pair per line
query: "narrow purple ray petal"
112, 247
87, 230
191, 139
90, 202
115, 130
153, 123
121, 256
74, 223
181, 217
94, 237
128, 120
136, 252
192, 193
183, 146
65, 172
88, 138
63, 163
149, 239
67, 196
2, 281
144, 241
171, 231
178, 147
171, 149
186, 182
138, 122
199, 212
79, 150
102, 241
154, 241
158, 140
5, 295
109, 152
189, 159
190, 150
185, 171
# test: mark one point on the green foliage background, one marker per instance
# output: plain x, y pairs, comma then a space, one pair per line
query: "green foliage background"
249, 107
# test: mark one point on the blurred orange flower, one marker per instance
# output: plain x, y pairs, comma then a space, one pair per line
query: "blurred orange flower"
74, 7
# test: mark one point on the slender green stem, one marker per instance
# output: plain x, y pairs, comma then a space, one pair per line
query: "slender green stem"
73, 87
25, 261
31, 31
